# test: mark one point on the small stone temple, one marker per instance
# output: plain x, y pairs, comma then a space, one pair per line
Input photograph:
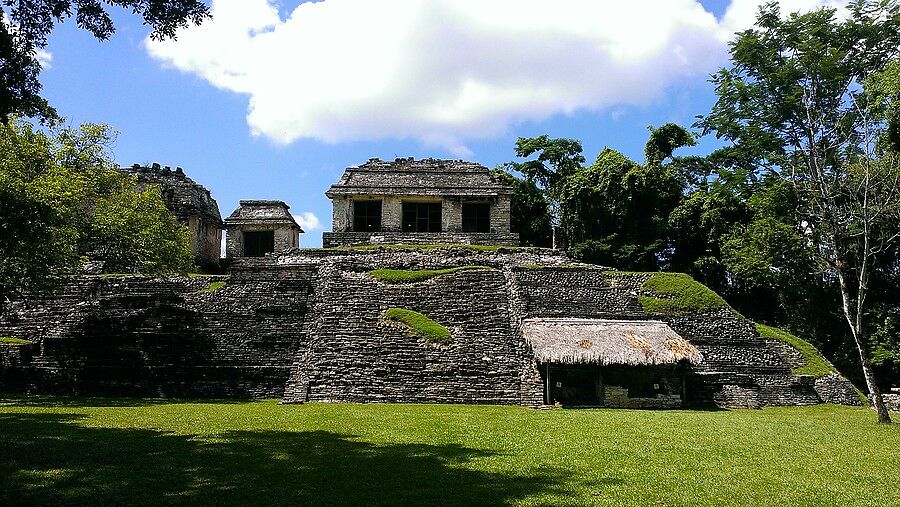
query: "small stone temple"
191, 203
410, 201
259, 227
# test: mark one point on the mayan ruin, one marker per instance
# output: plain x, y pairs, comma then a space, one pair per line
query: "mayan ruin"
428, 238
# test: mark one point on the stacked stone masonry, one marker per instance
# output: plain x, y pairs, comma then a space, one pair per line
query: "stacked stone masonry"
306, 325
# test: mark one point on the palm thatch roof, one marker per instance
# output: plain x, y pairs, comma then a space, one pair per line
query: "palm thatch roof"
604, 342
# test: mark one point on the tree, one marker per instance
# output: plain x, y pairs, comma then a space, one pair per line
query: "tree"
793, 98
529, 211
557, 160
26, 24
62, 201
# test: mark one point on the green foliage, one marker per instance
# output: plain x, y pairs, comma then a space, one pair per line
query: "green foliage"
615, 211
677, 293
61, 200
75, 451
816, 364
529, 211
416, 275
13, 341
418, 325
664, 141
33, 22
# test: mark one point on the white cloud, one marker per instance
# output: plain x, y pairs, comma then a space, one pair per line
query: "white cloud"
445, 71
308, 221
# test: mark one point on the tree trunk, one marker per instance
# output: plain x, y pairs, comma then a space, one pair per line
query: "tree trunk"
857, 332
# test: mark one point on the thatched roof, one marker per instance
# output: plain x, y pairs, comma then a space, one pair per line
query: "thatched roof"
596, 341
407, 176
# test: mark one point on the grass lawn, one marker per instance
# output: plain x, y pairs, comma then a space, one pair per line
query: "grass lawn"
115, 451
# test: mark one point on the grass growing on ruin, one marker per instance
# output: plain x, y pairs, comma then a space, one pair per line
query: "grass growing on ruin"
418, 325
816, 364
416, 275
213, 286
676, 293
12, 340
149, 452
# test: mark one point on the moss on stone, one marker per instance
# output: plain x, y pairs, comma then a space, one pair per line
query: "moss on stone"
212, 287
418, 325
816, 364
13, 341
416, 275
677, 293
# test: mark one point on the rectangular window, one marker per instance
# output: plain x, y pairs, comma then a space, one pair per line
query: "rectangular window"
476, 217
367, 216
421, 217
258, 243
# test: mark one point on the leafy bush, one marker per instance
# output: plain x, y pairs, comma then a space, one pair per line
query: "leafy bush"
418, 325
416, 275
816, 364
677, 293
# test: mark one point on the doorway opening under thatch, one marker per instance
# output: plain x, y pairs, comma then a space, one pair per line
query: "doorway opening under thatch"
615, 386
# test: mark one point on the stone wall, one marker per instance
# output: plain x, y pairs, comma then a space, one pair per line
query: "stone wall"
451, 216
307, 324
285, 238
163, 337
339, 239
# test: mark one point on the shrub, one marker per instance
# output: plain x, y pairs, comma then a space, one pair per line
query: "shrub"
418, 325
415, 275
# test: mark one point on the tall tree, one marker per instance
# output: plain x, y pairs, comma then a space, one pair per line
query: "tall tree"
529, 211
793, 97
556, 160
26, 24
62, 201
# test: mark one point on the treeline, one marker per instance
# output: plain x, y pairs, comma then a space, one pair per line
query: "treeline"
795, 221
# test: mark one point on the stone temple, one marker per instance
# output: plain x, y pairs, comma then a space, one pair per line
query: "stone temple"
411, 201
523, 326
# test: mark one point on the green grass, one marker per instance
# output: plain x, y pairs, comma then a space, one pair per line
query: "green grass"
416, 275
12, 340
816, 364
213, 286
152, 452
677, 293
418, 325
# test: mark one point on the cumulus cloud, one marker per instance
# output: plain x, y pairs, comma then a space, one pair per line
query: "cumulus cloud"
308, 221
446, 71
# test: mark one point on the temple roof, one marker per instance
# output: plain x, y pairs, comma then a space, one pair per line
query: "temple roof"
603, 342
262, 212
183, 196
407, 176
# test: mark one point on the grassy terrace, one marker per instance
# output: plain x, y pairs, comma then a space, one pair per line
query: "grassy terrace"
816, 364
676, 293
121, 451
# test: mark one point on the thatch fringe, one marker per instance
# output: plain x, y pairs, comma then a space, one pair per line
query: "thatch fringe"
603, 342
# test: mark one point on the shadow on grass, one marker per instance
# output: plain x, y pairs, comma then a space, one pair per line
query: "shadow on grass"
52, 459
104, 401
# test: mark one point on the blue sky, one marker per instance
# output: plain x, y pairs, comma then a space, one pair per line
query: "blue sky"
174, 104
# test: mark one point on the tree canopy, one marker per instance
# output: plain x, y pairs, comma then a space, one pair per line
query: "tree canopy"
62, 202
26, 24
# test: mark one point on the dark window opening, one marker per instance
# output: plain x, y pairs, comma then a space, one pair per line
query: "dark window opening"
421, 217
476, 217
367, 216
258, 243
